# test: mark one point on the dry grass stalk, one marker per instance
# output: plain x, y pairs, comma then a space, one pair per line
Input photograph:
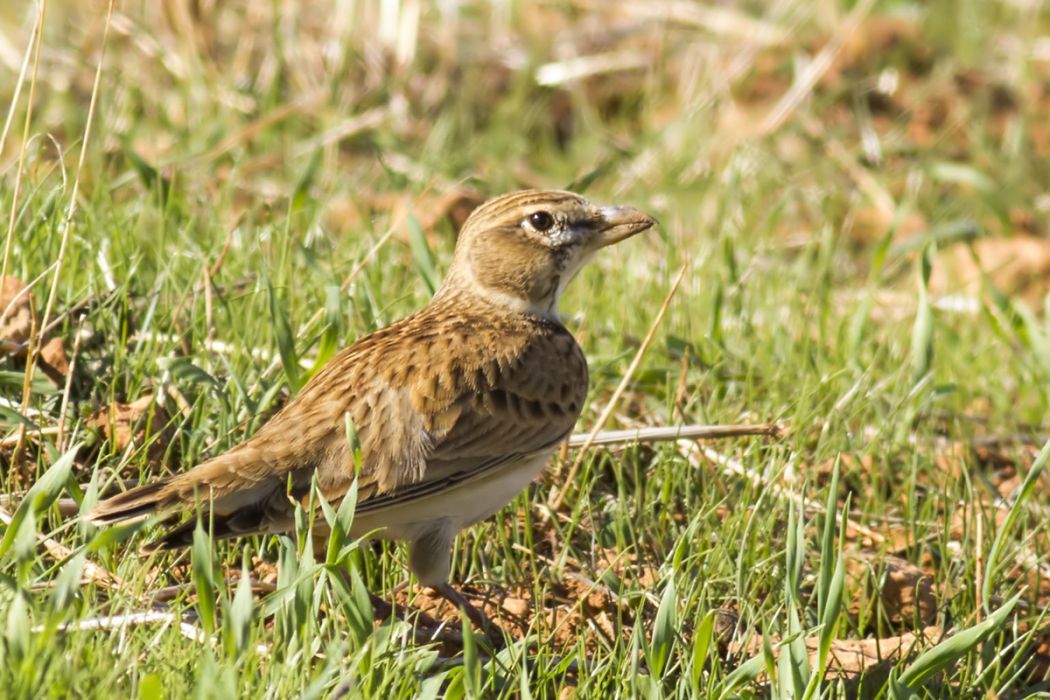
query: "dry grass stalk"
722, 21
67, 223
579, 67
555, 500
67, 507
34, 49
144, 617
12, 440
804, 83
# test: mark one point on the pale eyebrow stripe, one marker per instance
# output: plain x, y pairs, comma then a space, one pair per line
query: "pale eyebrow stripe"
525, 199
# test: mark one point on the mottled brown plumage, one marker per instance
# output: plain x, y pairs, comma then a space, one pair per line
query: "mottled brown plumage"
456, 407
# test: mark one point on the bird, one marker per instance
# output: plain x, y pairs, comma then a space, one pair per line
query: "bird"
456, 408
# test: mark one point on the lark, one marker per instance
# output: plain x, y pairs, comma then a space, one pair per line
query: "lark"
456, 408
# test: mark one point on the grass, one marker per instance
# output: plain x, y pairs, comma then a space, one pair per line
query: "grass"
263, 184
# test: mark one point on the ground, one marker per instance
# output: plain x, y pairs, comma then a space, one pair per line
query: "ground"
202, 200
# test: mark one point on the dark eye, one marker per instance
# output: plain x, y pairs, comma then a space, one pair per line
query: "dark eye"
541, 220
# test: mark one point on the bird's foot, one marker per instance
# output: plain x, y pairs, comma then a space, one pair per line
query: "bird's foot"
425, 628
492, 631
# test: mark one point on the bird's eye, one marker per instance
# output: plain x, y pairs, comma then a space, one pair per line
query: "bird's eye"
541, 220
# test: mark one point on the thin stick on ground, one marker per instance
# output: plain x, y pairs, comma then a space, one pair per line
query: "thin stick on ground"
107, 579
109, 622
12, 440
66, 507
144, 617
558, 494
673, 433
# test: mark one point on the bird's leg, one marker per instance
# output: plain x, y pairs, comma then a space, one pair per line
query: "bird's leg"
429, 558
480, 620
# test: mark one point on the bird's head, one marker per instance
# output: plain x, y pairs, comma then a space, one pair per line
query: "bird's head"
521, 249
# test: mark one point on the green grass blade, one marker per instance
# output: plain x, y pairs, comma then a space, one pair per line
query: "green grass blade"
332, 334
922, 330
203, 574
282, 331
239, 614
41, 495
831, 582
747, 672
955, 647
993, 563
471, 661
67, 584
702, 638
664, 629
422, 255
828, 551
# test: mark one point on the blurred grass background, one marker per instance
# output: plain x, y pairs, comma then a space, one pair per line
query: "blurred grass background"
803, 158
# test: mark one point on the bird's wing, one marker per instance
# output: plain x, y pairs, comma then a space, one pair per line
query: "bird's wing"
462, 416
425, 412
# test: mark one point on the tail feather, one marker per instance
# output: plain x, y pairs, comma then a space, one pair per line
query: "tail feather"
221, 480
253, 513
133, 504
230, 491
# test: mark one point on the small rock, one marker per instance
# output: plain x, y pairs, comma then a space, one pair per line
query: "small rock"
515, 606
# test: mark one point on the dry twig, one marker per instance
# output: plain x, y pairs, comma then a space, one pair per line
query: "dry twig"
144, 617
67, 223
672, 433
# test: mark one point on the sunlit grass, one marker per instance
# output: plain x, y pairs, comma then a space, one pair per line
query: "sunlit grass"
238, 217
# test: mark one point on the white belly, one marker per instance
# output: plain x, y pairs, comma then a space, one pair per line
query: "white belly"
462, 505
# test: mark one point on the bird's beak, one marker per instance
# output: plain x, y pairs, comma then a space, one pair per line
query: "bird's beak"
614, 224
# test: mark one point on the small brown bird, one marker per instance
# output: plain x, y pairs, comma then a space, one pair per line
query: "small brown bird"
456, 408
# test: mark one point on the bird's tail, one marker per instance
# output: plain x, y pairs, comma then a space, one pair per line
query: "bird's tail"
160, 498
135, 504
222, 490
